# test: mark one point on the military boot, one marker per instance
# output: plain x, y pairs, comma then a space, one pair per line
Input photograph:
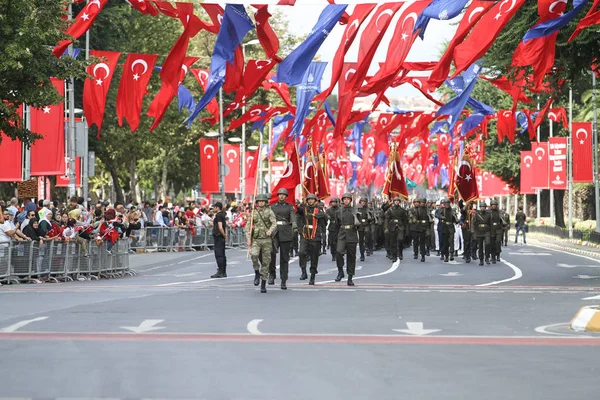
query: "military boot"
340, 275
303, 277
263, 286
493, 259
362, 257
256, 278
350, 282
422, 258
271, 279
481, 262
283, 285
219, 274
452, 257
446, 258
401, 255
312, 279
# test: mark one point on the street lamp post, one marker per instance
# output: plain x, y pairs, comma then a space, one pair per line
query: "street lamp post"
243, 145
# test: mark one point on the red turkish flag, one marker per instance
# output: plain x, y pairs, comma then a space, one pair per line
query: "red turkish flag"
582, 152
290, 178
527, 172
234, 75
398, 49
209, 165
11, 162
171, 68
506, 125
143, 6
347, 73
254, 75
323, 190
538, 119
83, 22
559, 115
96, 88
359, 15
48, 153
484, 33
266, 35
512, 88
63, 179
282, 90
557, 158
165, 95
540, 165
395, 184
474, 13
371, 38
310, 173
215, 13
420, 83
165, 8
232, 168
251, 160
251, 115
132, 89
201, 76
591, 18
466, 181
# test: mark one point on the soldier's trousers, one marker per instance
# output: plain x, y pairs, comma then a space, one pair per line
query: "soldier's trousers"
483, 245
220, 253
332, 242
284, 258
263, 248
324, 239
466, 243
312, 249
419, 242
506, 237
495, 243
295, 242
362, 241
396, 243
349, 250
447, 243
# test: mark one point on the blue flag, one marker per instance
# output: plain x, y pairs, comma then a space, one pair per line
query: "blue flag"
356, 136
454, 107
439, 9
329, 113
549, 27
439, 127
75, 54
280, 124
522, 121
305, 92
185, 99
236, 24
457, 84
292, 68
471, 122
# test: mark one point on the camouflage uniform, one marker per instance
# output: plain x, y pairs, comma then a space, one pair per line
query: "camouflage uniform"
262, 244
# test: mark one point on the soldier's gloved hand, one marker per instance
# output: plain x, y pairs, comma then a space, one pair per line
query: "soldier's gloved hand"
386, 231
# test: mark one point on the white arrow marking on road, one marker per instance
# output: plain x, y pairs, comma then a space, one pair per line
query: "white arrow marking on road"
253, 327
592, 298
146, 326
416, 328
561, 265
586, 277
451, 274
21, 324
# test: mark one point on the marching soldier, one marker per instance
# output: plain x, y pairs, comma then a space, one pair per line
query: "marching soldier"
496, 230
260, 242
323, 227
349, 224
310, 241
296, 237
333, 226
465, 225
420, 222
396, 220
448, 220
482, 222
282, 237
364, 232
506, 222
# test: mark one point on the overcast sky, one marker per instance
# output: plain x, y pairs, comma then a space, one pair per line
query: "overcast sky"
302, 18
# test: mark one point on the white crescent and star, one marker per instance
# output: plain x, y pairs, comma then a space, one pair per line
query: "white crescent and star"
203, 76
141, 62
209, 146
577, 135
387, 12
554, 4
475, 11
543, 153
249, 160
231, 155
289, 170
552, 116
527, 164
103, 66
349, 74
255, 113
351, 29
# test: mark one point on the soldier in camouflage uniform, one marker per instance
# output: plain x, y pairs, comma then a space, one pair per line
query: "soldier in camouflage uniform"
506, 222
396, 220
347, 239
481, 225
282, 237
364, 232
420, 220
310, 240
496, 231
333, 227
260, 242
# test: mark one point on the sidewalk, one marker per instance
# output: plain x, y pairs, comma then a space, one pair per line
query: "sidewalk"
574, 246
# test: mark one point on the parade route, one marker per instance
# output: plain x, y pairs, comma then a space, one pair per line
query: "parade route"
420, 329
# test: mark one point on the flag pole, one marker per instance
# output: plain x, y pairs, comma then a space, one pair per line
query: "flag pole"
71, 124
538, 192
552, 216
221, 147
570, 163
595, 150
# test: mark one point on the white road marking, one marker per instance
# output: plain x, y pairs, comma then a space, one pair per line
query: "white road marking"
543, 329
393, 268
19, 325
145, 326
518, 274
586, 277
451, 274
416, 328
253, 327
170, 265
563, 265
530, 254
592, 298
566, 252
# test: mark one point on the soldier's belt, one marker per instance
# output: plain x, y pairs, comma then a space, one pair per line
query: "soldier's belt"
495, 223
309, 226
282, 223
448, 223
424, 221
348, 226
364, 220
482, 225
396, 220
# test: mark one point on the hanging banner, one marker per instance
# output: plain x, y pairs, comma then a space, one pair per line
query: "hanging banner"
540, 165
557, 157
250, 179
582, 152
11, 168
209, 165
527, 172
232, 168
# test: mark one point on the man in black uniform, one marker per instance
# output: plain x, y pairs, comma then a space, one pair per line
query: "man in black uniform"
447, 220
282, 237
465, 225
506, 222
347, 239
364, 232
496, 230
220, 238
323, 227
421, 220
333, 227
482, 222
310, 240
296, 237
396, 219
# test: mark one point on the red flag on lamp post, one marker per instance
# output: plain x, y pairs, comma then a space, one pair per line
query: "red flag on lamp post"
527, 172
209, 165
540, 165
582, 152
557, 157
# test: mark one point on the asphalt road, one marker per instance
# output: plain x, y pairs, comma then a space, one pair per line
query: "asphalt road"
410, 330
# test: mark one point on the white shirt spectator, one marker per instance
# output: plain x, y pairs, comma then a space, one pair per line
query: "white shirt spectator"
158, 218
206, 221
5, 227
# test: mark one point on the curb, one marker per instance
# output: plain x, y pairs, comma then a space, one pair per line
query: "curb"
587, 319
567, 248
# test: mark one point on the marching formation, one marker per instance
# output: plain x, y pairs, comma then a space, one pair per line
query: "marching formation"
309, 229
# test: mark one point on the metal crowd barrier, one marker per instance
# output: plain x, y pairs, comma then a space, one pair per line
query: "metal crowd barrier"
32, 262
154, 238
